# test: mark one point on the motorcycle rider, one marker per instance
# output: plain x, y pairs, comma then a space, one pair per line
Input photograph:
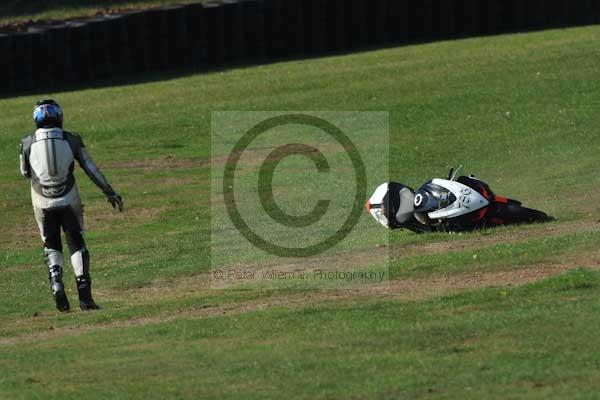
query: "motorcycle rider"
47, 158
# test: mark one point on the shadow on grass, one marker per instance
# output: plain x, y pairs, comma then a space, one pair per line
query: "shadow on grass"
182, 72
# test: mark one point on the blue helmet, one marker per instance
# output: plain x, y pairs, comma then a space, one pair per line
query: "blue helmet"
47, 114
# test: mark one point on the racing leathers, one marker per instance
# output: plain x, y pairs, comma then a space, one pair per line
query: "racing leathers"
47, 158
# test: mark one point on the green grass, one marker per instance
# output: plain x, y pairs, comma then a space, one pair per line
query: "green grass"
518, 110
502, 256
518, 343
17, 11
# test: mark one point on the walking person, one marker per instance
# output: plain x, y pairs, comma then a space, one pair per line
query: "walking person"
47, 158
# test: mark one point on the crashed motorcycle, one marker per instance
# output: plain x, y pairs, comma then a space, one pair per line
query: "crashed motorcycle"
455, 204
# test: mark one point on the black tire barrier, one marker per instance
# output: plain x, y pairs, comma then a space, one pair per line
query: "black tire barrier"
254, 29
520, 9
513, 16
293, 15
555, 13
397, 22
320, 34
423, 22
356, 24
234, 29
443, 19
80, 45
215, 33
376, 21
574, 12
595, 12
489, 17
414, 25
158, 40
100, 47
314, 25
22, 50
274, 28
197, 39
466, 14
60, 53
7, 64
336, 38
570, 10
584, 12
481, 14
211, 33
506, 16
535, 14
308, 20
118, 39
479, 17
137, 36
177, 34
41, 70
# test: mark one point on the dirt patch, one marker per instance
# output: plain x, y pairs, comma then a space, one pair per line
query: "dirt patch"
478, 240
25, 235
252, 156
409, 289
255, 156
416, 289
352, 260
183, 181
342, 261
405, 289
167, 162
107, 218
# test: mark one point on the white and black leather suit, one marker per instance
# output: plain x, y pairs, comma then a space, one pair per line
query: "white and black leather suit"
47, 158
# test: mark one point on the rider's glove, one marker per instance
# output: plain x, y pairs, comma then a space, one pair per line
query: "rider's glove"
114, 198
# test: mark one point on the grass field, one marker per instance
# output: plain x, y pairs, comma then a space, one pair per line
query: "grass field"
508, 313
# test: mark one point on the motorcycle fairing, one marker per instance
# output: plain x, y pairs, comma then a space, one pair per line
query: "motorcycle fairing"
461, 199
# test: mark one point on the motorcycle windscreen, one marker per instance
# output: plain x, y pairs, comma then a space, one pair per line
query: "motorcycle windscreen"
431, 197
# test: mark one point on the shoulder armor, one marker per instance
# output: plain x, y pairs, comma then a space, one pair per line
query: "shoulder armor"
26, 141
75, 141
73, 136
